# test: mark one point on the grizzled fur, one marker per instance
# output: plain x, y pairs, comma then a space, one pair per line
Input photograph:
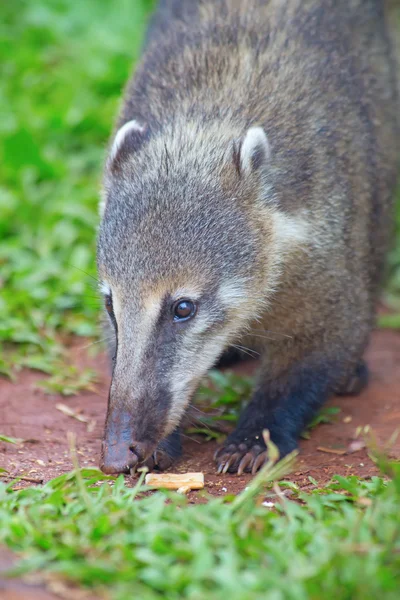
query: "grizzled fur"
284, 232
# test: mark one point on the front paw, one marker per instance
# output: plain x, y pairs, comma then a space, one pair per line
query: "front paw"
166, 453
247, 456
160, 460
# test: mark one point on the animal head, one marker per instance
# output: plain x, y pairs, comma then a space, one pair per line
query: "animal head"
190, 248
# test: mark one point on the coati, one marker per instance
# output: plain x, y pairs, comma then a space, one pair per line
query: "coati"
247, 200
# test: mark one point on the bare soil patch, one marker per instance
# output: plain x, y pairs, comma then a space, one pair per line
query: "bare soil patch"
28, 413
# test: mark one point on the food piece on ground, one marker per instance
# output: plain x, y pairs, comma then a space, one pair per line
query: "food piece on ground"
175, 481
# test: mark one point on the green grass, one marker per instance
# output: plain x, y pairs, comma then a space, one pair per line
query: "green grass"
341, 541
63, 68
64, 65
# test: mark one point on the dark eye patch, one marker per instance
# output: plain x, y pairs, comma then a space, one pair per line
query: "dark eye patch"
109, 304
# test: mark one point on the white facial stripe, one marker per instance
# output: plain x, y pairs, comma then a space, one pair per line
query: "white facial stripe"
152, 311
232, 293
116, 306
199, 324
142, 329
135, 332
289, 231
105, 288
183, 387
186, 292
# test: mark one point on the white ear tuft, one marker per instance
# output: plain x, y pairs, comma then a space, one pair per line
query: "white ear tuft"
255, 150
125, 132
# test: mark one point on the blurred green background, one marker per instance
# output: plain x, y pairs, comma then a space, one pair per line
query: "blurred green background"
64, 65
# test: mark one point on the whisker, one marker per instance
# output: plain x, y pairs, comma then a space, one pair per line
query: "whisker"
192, 439
248, 351
198, 409
82, 271
197, 422
265, 337
257, 331
98, 297
94, 306
107, 339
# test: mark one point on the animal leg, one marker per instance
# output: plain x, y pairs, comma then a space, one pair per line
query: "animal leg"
356, 382
167, 452
284, 408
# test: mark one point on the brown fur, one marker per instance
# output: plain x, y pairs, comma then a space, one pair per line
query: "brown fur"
319, 77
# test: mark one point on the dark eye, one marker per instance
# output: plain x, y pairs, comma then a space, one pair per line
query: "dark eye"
183, 310
109, 305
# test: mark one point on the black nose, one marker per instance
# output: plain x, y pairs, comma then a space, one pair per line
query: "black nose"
121, 457
117, 458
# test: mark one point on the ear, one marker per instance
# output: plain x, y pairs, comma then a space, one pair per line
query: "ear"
128, 140
253, 152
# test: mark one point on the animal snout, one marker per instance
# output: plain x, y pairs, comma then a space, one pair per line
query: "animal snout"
122, 457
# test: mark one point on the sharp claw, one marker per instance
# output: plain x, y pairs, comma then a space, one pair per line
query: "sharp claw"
132, 470
258, 462
244, 463
220, 467
231, 461
250, 460
225, 450
227, 465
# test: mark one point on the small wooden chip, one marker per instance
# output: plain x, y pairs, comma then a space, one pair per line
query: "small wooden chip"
175, 481
71, 413
32, 479
331, 450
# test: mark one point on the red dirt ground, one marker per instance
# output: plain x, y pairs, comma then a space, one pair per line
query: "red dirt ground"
27, 413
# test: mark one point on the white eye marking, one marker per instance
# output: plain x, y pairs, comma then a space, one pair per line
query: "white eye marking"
105, 288
232, 293
183, 387
191, 293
